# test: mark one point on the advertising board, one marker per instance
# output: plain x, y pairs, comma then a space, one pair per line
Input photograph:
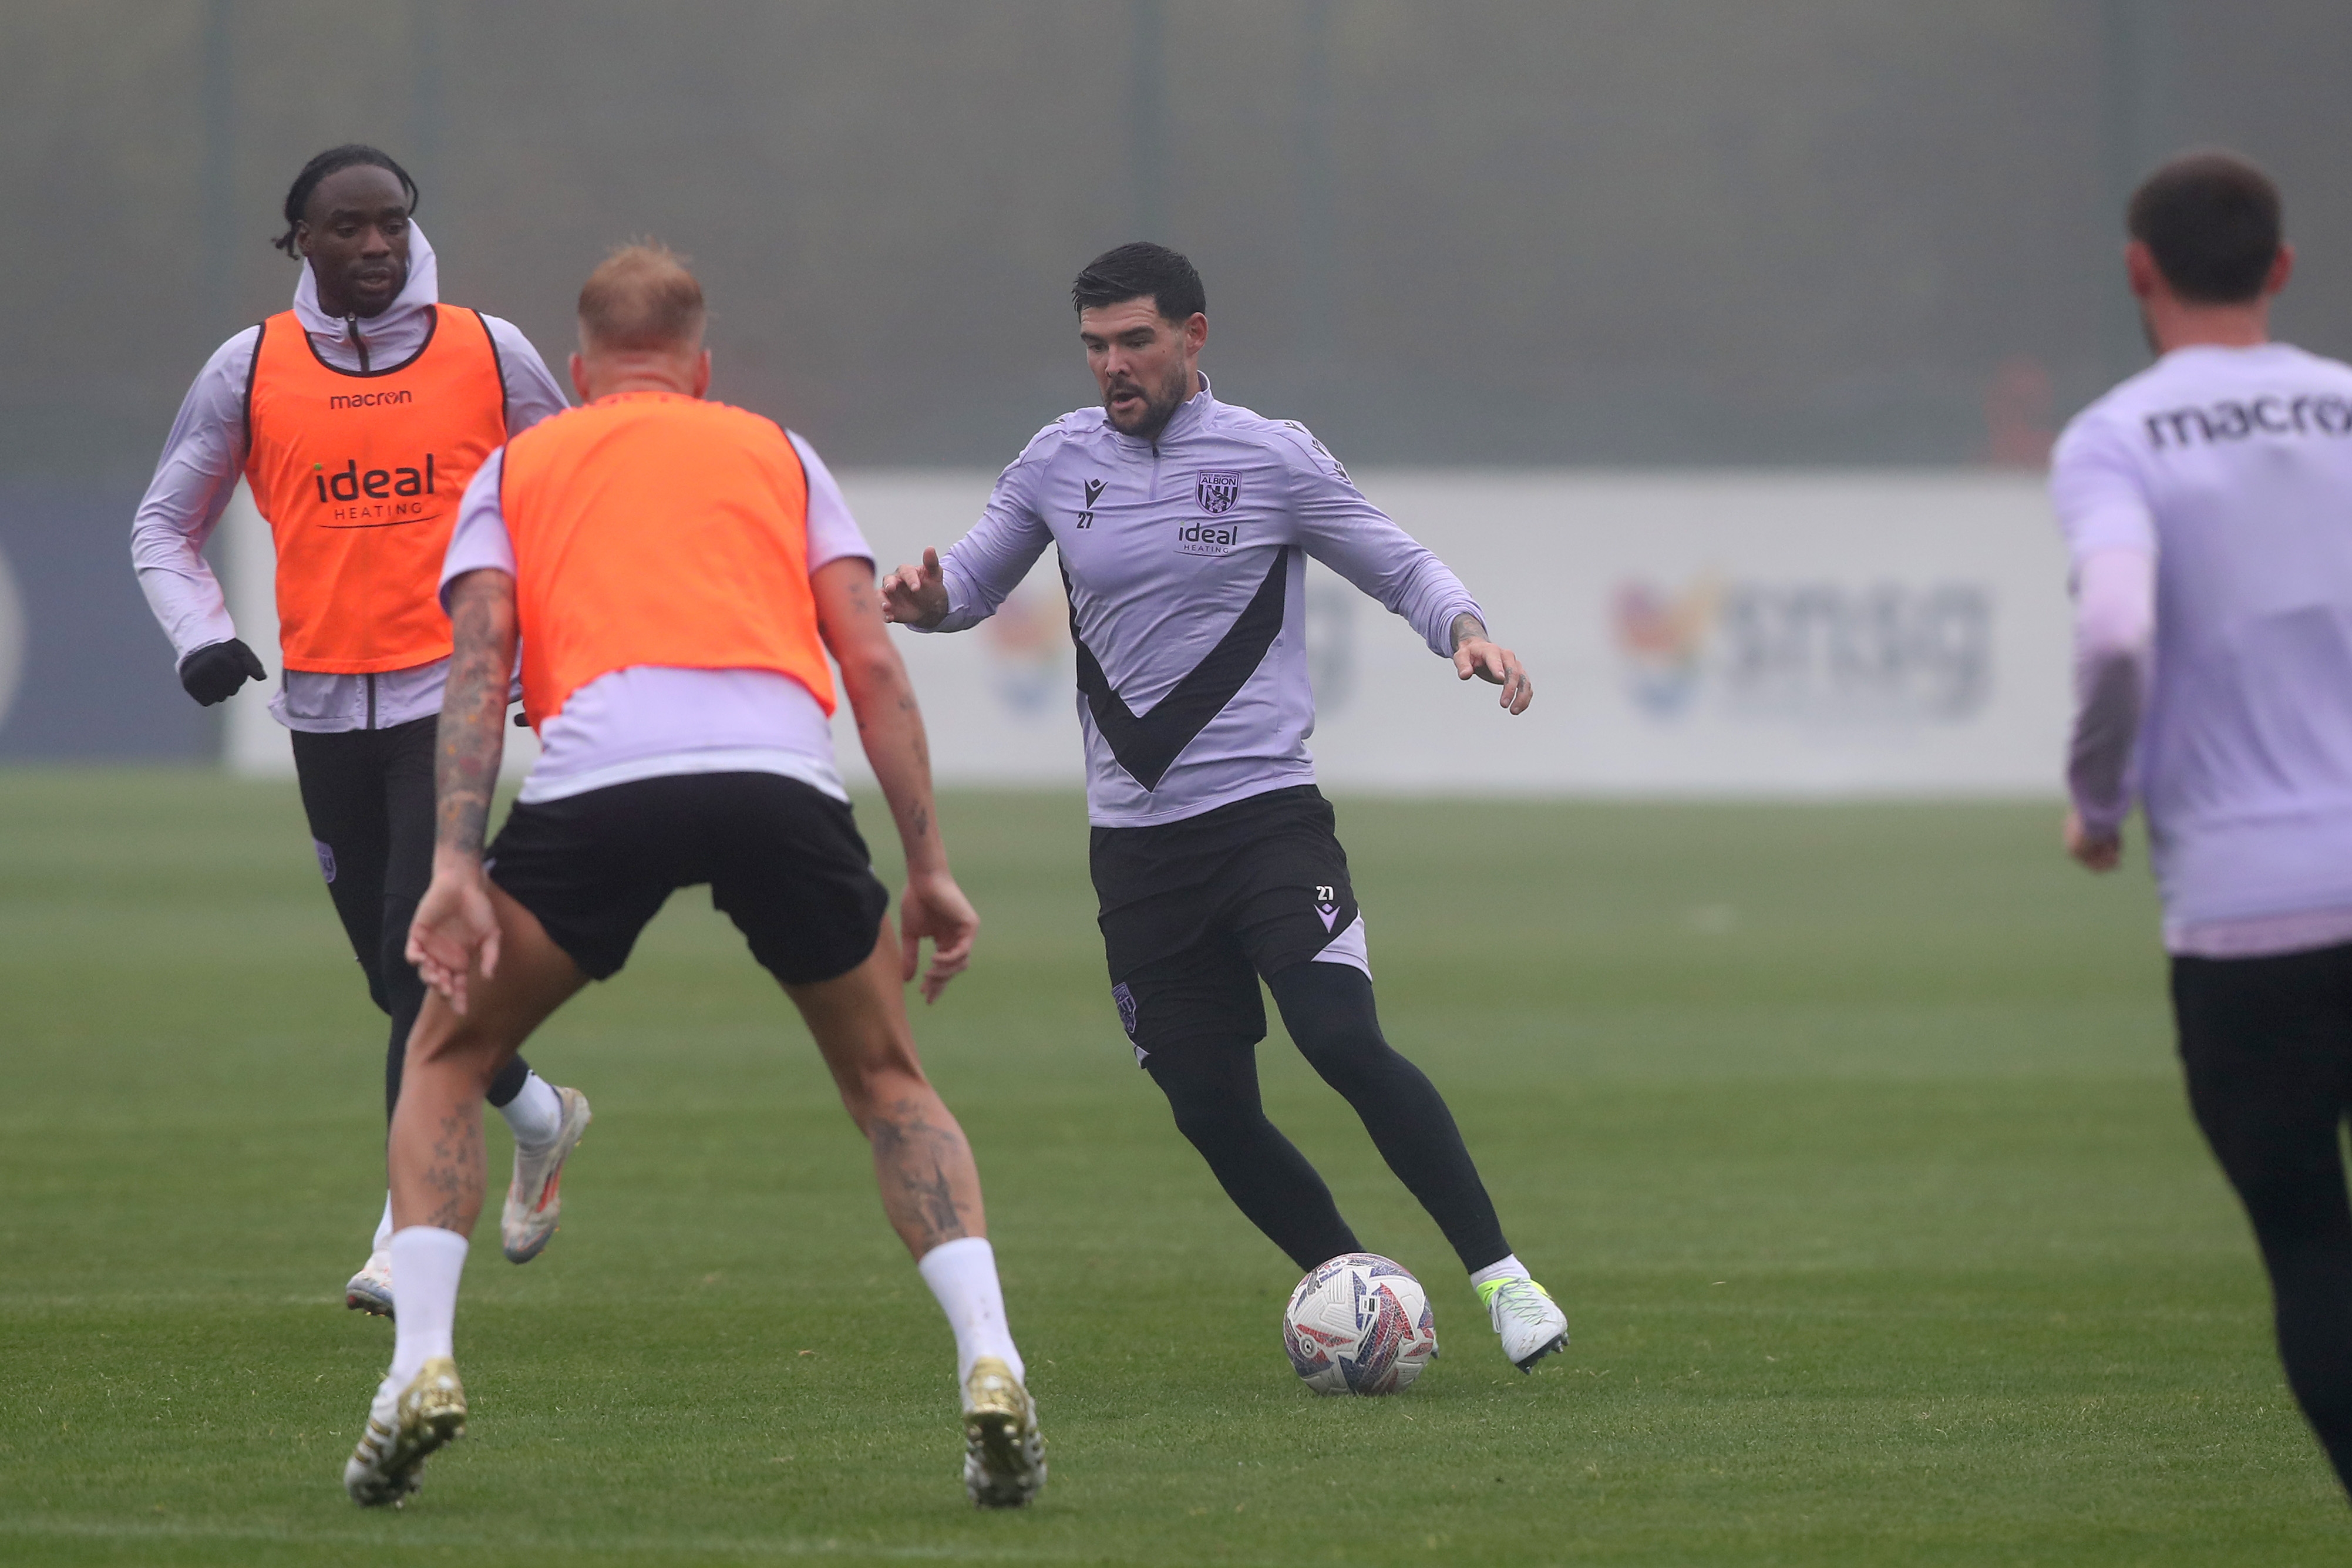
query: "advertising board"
1729, 633
1732, 634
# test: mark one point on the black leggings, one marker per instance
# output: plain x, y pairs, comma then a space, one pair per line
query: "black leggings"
2267, 1043
369, 796
1211, 1086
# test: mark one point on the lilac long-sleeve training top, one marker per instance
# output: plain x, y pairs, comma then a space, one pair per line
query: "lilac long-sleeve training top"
2208, 505
1185, 559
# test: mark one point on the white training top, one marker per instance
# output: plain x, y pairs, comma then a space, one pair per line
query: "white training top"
653, 721
2218, 688
205, 457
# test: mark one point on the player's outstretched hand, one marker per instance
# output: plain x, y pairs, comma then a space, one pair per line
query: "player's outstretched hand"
916, 595
935, 907
213, 673
1496, 665
455, 931
2098, 852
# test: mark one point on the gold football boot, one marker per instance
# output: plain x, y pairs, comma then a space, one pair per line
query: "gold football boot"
1005, 1454
403, 1431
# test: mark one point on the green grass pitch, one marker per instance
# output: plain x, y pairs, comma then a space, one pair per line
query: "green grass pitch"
1849, 1136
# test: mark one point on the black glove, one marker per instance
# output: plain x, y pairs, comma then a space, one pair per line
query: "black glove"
213, 674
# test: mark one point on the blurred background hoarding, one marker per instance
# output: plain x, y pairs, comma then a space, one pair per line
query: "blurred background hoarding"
1470, 239
1707, 633
1723, 633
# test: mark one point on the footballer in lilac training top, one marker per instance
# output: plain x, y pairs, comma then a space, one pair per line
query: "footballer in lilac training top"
2207, 503
1183, 525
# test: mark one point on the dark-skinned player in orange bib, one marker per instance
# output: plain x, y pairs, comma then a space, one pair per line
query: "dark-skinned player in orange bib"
357, 417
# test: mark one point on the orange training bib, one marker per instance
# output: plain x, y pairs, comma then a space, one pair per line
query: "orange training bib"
359, 474
654, 528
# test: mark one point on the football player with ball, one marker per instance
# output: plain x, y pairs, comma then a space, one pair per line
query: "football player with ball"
1183, 525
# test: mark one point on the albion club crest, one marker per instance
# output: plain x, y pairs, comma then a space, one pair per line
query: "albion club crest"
1217, 492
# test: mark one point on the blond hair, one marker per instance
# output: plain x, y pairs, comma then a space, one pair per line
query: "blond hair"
641, 297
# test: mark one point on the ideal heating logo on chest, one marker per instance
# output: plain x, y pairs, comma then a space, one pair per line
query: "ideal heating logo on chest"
377, 495
1207, 538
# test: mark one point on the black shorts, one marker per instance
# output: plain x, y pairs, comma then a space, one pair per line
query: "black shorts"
783, 860
1194, 911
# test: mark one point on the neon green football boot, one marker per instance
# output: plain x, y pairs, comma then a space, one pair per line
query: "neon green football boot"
1531, 1324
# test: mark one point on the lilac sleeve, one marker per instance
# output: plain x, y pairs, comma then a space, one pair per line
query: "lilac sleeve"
2103, 510
480, 540
832, 533
2096, 490
532, 391
2115, 637
1362, 543
194, 478
990, 562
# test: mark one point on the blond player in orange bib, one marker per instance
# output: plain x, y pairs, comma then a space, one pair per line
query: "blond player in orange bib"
677, 573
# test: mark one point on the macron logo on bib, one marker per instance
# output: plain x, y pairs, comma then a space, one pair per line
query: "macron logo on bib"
370, 399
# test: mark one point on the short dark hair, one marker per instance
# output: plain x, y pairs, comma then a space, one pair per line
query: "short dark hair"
334, 161
2211, 219
1139, 271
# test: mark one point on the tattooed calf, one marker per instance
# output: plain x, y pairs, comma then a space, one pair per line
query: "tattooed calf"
919, 1161
455, 1173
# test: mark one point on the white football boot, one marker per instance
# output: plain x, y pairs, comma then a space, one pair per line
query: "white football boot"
1005, 1454
370, 1290
534, 1199
404, 1429
1523, 1314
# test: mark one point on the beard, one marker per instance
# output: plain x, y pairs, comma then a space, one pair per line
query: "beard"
1160, 404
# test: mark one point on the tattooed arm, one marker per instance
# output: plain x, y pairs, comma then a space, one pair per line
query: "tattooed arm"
890, 727
454, 930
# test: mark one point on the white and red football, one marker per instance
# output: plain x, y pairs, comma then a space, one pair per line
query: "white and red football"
1359, 1324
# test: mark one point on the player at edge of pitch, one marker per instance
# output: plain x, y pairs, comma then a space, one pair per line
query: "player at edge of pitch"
1183, 525
676, 572
357, 415
2204, 503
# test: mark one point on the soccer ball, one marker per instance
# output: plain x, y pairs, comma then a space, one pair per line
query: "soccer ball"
1359, 1324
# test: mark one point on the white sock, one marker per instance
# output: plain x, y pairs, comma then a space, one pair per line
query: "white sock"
425, 1264
962, 1275
1510, 1267
383, 1228
535, 1115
